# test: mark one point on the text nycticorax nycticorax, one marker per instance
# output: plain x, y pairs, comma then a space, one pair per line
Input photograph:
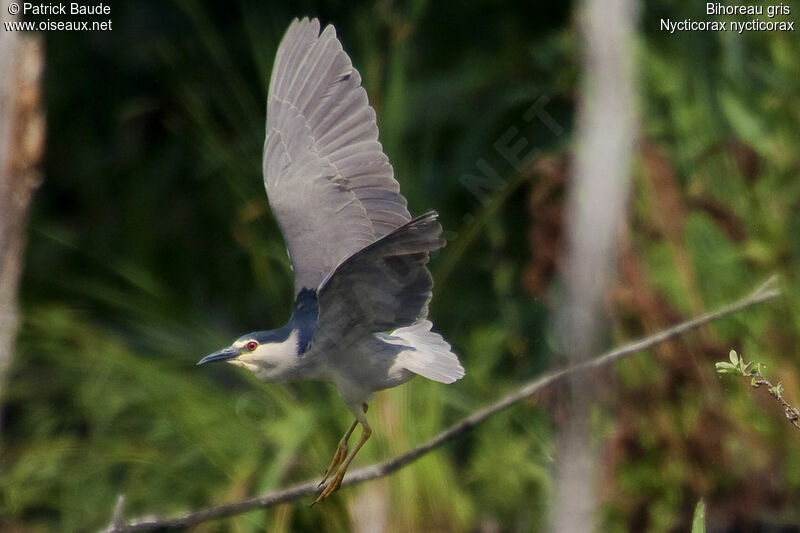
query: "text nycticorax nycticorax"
360, 278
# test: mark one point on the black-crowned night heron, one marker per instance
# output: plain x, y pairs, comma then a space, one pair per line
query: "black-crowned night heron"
360, 278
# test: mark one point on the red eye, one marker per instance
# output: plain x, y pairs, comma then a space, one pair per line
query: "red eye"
252, 345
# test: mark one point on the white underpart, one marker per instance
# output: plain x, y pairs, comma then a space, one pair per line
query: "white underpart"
429, 355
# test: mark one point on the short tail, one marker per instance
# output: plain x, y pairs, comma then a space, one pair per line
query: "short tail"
427, 353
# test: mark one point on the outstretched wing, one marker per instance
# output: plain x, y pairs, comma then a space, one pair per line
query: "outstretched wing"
383, 287
329, 183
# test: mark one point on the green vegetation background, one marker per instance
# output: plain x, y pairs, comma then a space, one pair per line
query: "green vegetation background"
151, 244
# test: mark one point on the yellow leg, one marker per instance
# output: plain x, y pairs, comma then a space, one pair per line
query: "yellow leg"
341, 453
341, 450
336, 481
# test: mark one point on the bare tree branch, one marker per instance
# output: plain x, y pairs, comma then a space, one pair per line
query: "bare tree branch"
765, 292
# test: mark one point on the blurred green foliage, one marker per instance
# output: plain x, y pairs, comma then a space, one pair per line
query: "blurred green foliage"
151, 244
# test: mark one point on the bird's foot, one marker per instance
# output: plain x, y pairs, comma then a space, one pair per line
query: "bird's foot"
338, 457
333, 485
342, 459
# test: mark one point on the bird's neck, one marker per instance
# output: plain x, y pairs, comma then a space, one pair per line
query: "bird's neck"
304, 318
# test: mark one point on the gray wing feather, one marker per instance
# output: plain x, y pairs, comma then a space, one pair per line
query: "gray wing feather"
330, 186
383, 287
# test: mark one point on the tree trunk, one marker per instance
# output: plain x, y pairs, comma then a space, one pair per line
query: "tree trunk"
22, 133
598, 193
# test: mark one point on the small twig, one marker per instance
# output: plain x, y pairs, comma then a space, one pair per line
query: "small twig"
738, 367
116, 517
765, 292
792, 414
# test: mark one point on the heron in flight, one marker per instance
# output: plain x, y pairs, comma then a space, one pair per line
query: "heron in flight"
361, 284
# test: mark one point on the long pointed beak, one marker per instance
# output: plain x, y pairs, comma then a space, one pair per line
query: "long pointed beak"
222, 355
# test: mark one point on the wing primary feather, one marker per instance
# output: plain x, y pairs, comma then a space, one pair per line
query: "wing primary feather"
330, 186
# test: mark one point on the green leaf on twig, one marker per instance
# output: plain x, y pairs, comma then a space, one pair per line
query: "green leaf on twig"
726, 368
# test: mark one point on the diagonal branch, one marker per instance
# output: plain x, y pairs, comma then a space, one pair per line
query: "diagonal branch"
768, 291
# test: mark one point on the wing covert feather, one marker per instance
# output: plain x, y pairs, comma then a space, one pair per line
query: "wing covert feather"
381, 288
